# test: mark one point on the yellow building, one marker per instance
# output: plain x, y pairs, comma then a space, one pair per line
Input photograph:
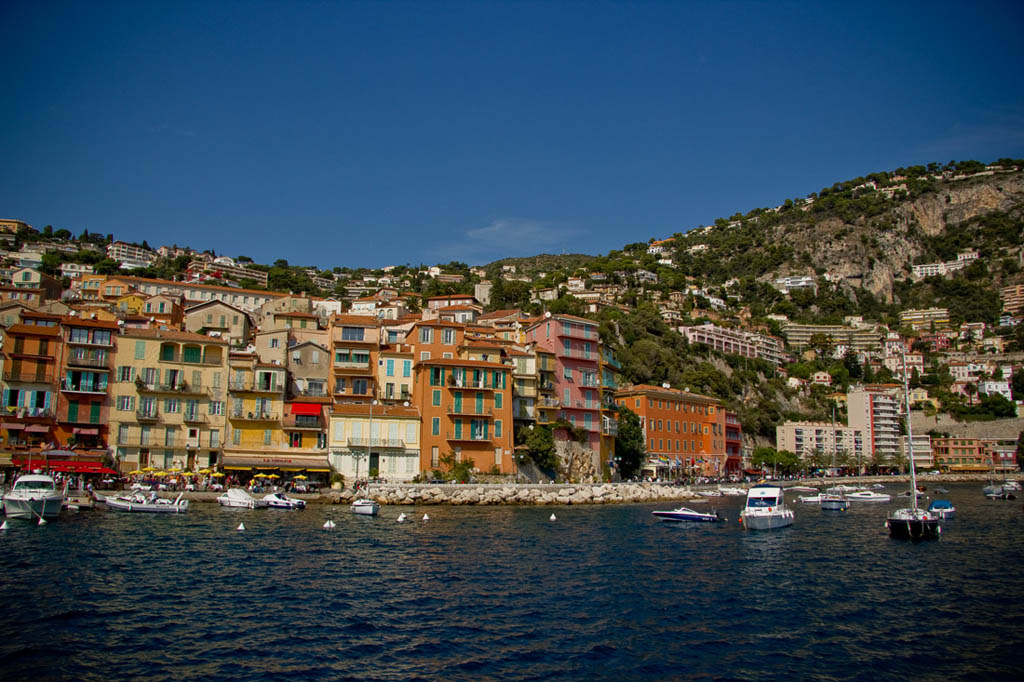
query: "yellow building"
257, 419
168, 399
394, 373
131, 303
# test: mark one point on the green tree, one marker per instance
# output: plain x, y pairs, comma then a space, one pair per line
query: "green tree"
630, 444
457, 470
107, 266
540, 446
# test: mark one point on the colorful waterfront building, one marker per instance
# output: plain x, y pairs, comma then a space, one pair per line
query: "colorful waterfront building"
685, 432
256, 392
381, 440
83, 404
354, 346
466, 408
32, 352
167, 399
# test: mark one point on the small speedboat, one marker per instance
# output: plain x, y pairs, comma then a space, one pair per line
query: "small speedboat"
878, 486
810, 499
687, 514
944, 509
710, 493
1002, 495
843, 488
766, 508
236, 497
801, 489
282, 501
34, 496
906, 493
942, 491
867, 496
365, 506
1011, 486
831, 502
139, 502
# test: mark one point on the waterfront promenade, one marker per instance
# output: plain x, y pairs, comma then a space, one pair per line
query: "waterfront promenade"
567, 493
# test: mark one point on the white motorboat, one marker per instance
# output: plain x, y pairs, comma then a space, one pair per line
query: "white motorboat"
34, 496
733, 492
365, 506
687, 514
877, 486
841, 489
236, 497
710, 493
282, 501
868, 496
944, 509
810, 499
801, 489
766, 508
1010, 485
140, 502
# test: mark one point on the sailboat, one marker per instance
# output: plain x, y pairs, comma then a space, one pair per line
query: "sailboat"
833, 501
912, 523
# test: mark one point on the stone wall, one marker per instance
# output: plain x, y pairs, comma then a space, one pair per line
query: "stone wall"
999, 428
608, 493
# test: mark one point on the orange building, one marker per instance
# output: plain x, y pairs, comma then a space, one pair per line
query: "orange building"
83, 404
466, 407
684, 432
32, 352
436, 339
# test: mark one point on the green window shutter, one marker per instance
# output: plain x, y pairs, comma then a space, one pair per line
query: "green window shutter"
72, 411
497, 401
436, 398
94, 413
479, 402
140, 350
193, 354
485, 429
458, 428
458, 401
435, 426
497, 428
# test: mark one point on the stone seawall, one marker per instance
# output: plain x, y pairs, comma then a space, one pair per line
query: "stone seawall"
477, 494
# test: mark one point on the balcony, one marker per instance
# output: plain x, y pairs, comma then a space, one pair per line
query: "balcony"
147, 415
609, 427
549, 402
469, 410
302, 422
96, 362
470, 385
390, 443
477, 437
254, 416
179, 388
32, 377
27, 412
193, 418
82, 387
91, 341
577, 331
352, 366
590, 382
524, 413
191, 361
255, 386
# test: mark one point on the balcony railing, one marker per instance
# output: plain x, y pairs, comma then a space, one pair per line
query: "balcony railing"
589, 382
254, 416
392, 443
93, 361
549, 402
467, 436
578, 332
28, 377
346, 364
193, 418
27, 412
147, 415
179, 388
202, 361
470, 385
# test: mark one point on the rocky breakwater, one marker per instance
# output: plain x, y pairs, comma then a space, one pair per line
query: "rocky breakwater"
492, 494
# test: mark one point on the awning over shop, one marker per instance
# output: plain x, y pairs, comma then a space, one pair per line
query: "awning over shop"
85, 432
37, 428
307, 409
13, 426
73, 467
274, 461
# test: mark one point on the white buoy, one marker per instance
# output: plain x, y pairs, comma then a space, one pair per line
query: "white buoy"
241, 526
401, 517
328, 524
552, 517
3, 526
426, 517
42, 521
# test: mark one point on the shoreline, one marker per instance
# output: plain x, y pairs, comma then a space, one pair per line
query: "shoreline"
540, 494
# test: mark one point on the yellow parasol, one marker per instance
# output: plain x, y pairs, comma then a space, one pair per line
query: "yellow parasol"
149, 469
159, 473
205, 472
135, 472
217, 474
273, 476
300, 477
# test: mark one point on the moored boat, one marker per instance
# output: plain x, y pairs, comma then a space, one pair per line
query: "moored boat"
811, 499
766, 508
365, 506
868, 496
152, 504
733, 492
710, 493
944, 509
282, 501
33, 496
236, 497
687, 514
830, 502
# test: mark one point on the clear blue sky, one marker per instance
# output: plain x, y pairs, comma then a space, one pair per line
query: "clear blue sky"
368, 134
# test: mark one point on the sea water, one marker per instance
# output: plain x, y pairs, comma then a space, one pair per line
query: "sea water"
476, 593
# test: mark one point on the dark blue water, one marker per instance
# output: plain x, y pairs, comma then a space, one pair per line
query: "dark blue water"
503, 593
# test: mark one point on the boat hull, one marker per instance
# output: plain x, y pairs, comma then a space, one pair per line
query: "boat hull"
365, 507
915, 530
47, 507
771, 521
688, 515
835, 505
146, 507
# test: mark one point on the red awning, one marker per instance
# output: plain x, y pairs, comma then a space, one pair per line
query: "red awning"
307, 409
85, 432
72, 467
37, 428
13, 426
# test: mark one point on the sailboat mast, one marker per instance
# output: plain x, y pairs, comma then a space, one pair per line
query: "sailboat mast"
910, 433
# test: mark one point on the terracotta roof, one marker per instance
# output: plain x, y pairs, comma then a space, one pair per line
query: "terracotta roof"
233, 290
83, 322
33, 329
457, 362
648, 389
360, 320
501, 313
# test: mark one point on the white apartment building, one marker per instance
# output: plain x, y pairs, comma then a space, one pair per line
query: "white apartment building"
788, 284
807, 438
735, 341
876, 410
130, 255
963, 259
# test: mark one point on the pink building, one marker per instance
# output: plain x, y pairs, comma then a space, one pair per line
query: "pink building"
577, 348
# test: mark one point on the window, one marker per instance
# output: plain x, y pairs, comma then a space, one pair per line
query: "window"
497, 427
497, 401
267, 433
426, 335
275, 343
410, 434
433, 457
172, 405
125, 374
497, 456
435, 427
236, 437
126, 403
567, 373
424, 355
122, 433
169, 437
389, 368
448, 337
352, 333
140, 350
214, 438
435, 399
406, 368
